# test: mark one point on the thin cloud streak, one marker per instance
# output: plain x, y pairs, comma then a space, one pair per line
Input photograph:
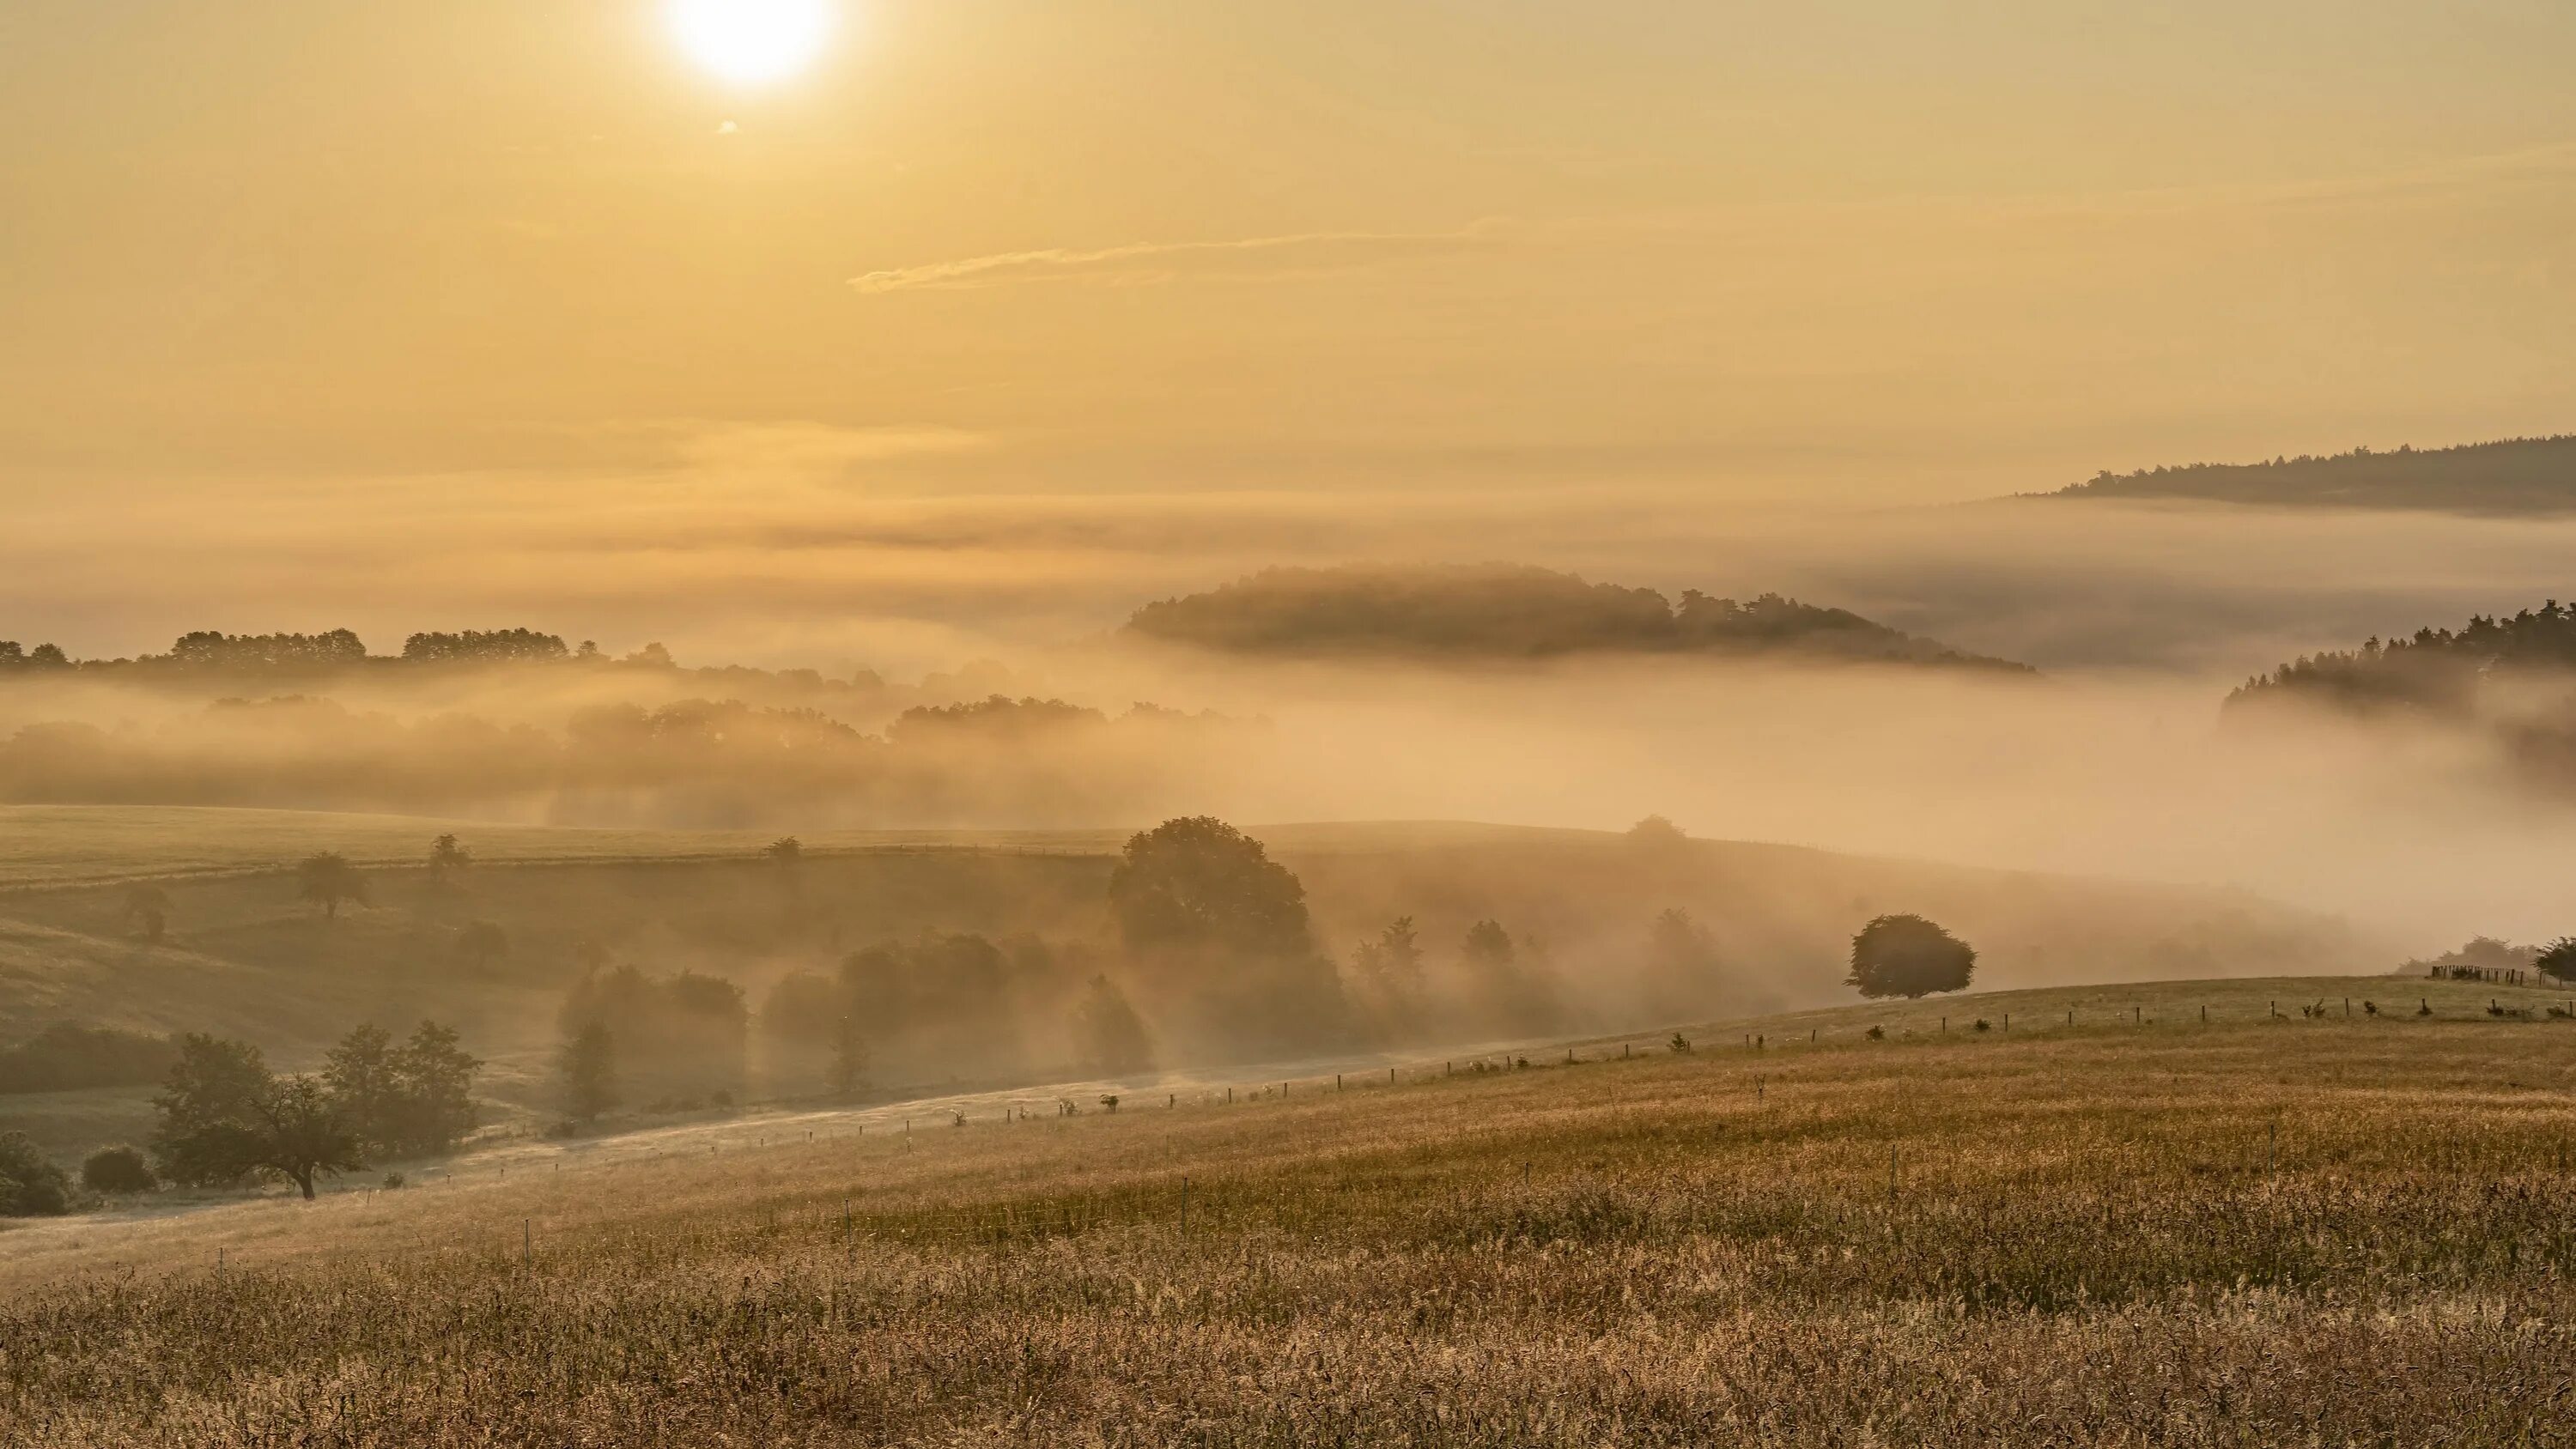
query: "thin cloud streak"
1161, 260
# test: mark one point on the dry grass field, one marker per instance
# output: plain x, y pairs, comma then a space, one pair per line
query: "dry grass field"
2135, 1230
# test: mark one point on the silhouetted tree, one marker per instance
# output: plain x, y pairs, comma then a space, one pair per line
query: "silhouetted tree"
327, 879
1488, 947
1656, 832
2557, 960
447, 856
1223, 928
481, 943
359, 1070
1681, 961
434, 1075
849, 1069
785, 850
205, 1101
684, 1035
301, 1135
1908, 956
1393, 962
477, 646
224, 1117
147, 905
1111, 1035
1200, 882
1514, 994
589, 1067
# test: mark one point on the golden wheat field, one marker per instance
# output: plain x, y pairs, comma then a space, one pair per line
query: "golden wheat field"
2143, 1231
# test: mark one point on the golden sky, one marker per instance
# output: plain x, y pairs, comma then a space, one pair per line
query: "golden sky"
450, 260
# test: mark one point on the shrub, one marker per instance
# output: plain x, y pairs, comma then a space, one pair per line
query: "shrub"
118, 1169
30, 1184
68, 1056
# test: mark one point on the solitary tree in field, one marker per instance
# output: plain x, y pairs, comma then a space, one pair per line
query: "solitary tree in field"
447, 857
326, 878
590, 1072
785, 850
303, 1135
2557, 960
481, 943
1908, 956
148, 907
1657, 833
1213, 923
1201, 883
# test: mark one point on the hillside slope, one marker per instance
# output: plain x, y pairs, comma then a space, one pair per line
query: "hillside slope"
1964, 1233
2517, 475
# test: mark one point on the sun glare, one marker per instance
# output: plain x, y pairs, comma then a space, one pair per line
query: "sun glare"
748, 42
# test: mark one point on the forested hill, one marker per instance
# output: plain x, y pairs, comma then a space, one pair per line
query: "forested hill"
2437, 671
1501, 611
2518, 475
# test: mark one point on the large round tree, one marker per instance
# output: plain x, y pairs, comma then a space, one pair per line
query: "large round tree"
1198, 882
1217, 930
1908, 956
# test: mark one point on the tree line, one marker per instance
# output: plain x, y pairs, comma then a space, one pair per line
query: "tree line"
1022, 760
1515, 611
2443, 672
224, 1118
1215, 957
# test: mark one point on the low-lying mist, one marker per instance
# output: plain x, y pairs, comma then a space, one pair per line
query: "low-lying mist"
2414, 828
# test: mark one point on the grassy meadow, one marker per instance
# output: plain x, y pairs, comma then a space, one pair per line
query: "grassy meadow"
2137, 1229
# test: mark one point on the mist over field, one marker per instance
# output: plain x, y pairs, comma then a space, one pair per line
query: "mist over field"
1517, 725
2141, 616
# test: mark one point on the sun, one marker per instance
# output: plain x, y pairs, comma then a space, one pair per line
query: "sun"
750, 42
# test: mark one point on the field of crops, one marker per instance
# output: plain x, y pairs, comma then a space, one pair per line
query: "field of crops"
2138, 1229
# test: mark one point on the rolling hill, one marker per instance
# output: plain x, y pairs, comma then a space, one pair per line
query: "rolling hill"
2515, 475
1498, 612
2139, 1225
